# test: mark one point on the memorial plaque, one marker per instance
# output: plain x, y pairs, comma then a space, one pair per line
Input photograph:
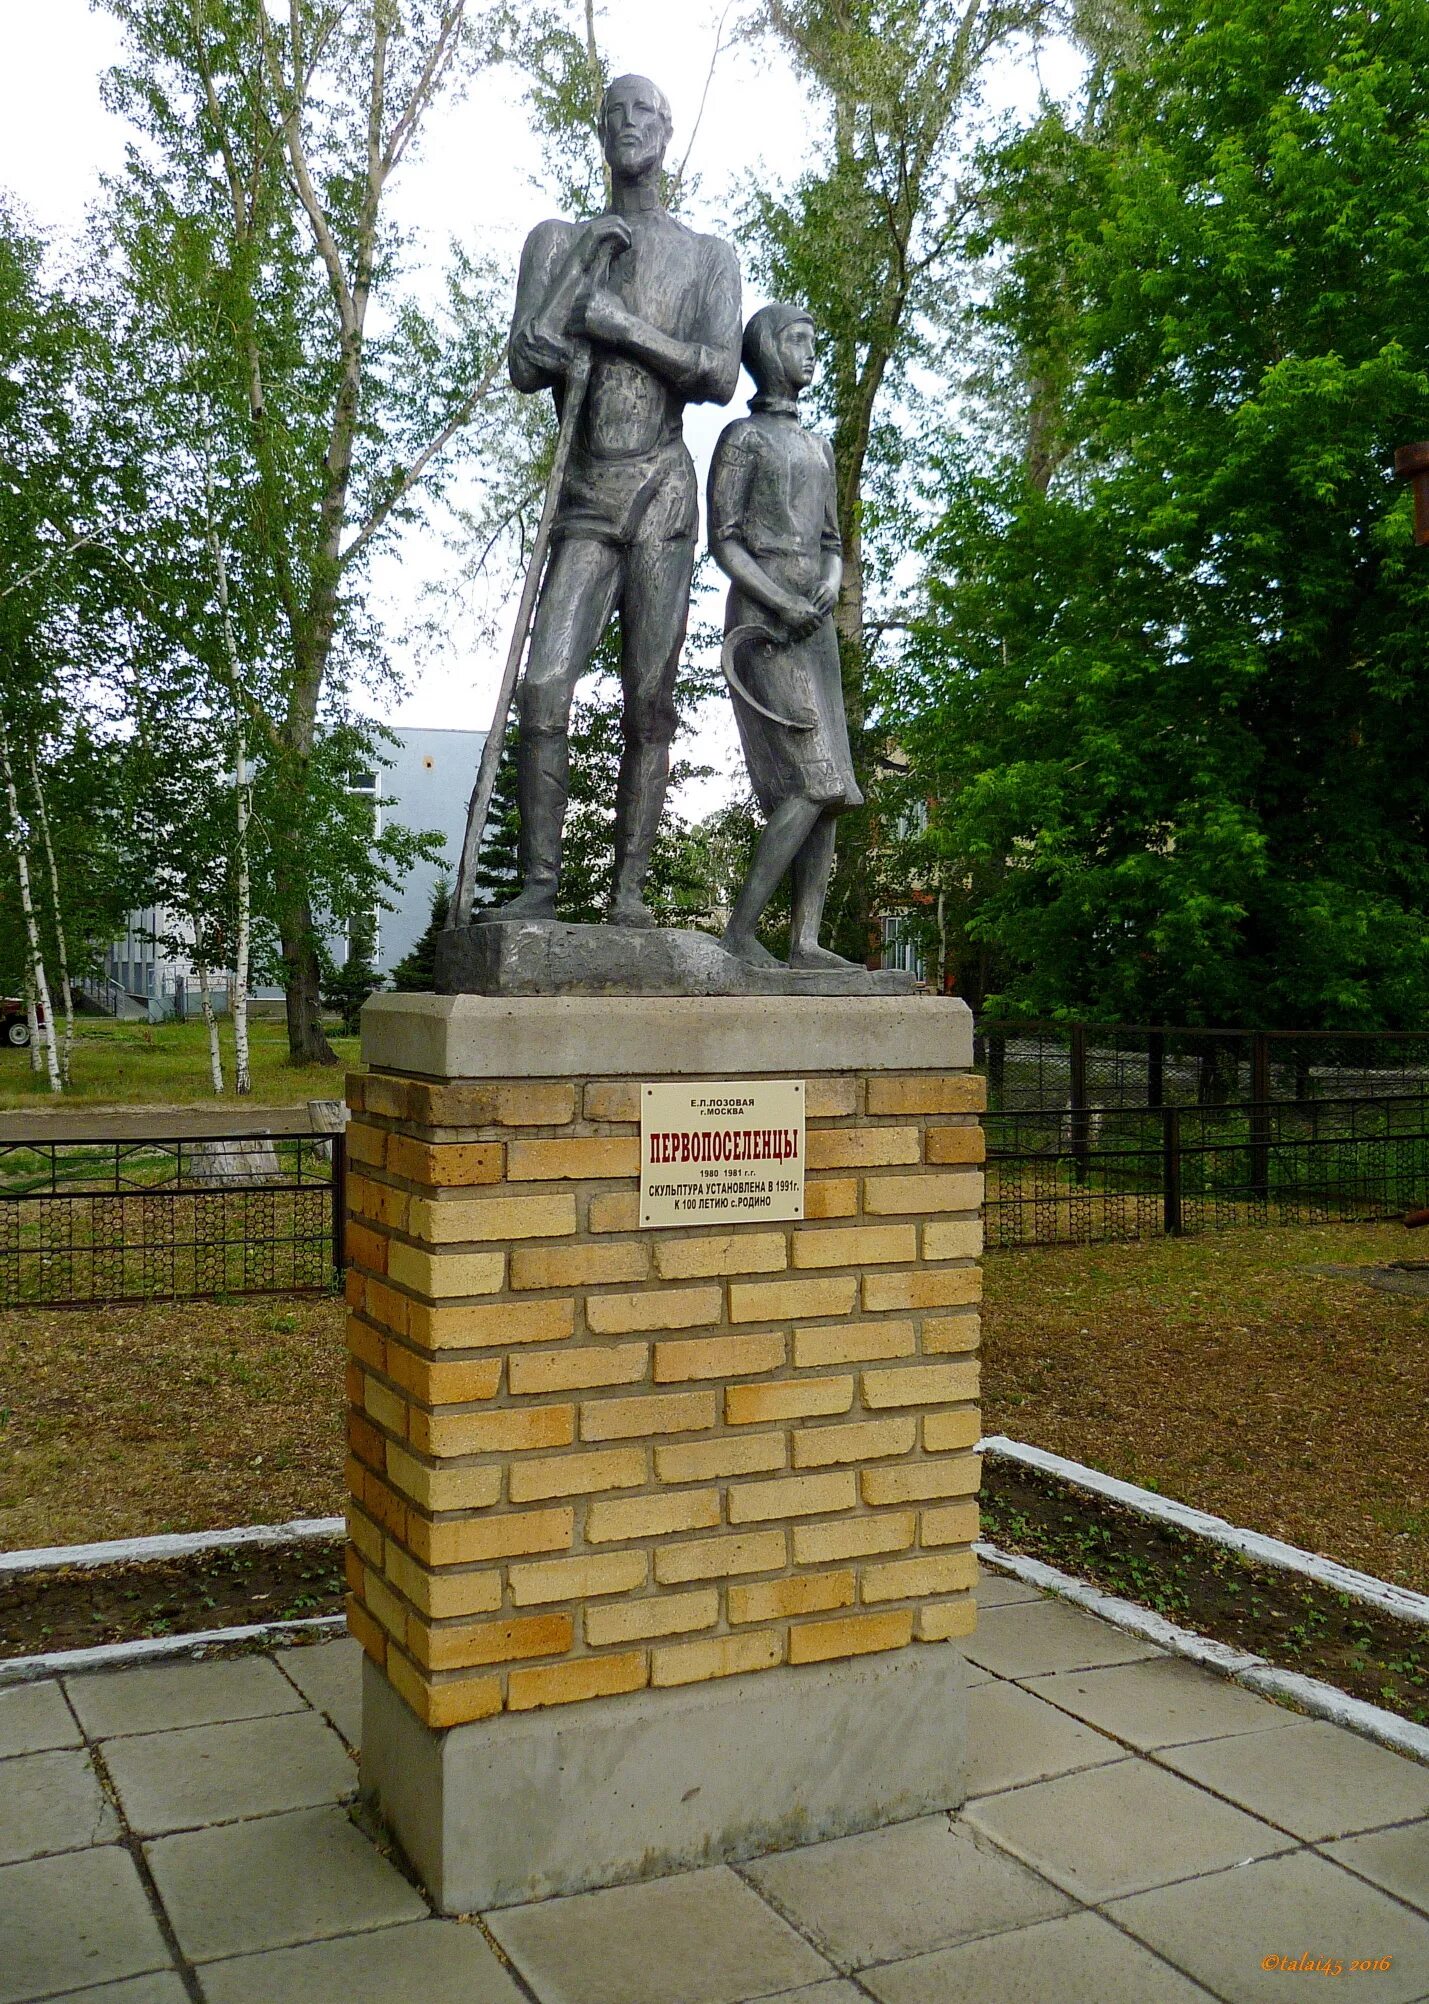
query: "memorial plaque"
721, 1152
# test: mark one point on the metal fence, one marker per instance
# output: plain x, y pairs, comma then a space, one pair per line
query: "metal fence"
1033, 1065
108, 1219
1075, 1176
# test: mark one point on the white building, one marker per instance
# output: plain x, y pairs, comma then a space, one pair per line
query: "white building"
424, 782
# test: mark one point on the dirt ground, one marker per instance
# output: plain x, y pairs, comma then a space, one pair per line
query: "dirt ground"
1223, 1370
175, 1416
1226, 1371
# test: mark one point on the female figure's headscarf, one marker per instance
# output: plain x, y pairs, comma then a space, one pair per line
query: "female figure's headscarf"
761, 346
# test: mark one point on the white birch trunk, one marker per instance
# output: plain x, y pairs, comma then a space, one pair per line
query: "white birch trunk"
32, 1017
66, 990
215, 1054
238, 1002
242, 1076
38, 986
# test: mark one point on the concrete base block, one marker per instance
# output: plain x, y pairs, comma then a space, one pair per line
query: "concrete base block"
651, 1037
526, 1805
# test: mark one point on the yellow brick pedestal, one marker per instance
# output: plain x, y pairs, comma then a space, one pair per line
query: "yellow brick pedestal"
727, 1468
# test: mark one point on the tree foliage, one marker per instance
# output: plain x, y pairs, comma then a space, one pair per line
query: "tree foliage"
1165, 700
252, 224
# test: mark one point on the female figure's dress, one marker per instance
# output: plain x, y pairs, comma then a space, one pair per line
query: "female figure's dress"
771, 488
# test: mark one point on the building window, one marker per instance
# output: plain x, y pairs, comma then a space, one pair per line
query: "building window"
899, 951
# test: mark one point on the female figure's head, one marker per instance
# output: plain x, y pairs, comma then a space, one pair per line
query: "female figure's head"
779, 350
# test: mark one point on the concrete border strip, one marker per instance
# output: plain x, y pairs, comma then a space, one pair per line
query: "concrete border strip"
1307, 1694
156, 1648
1402, 1602
171, 1545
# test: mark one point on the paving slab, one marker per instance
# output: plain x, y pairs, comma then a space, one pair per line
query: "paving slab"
423, 1962
1081, 1959
80, 1919
1314, 1779
52, 1802
1231, 1930
1166, 1702
1015, 1738
216, 1774
1396, 1859
163, 1986
1032, 1638
1002, 1590
835, 1991
276, 1882
902, 1891
1120, 1829
179, 1694
697, 1938
329, 1675
34, 1717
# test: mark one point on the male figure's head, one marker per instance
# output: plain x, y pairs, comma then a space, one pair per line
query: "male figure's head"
635, 128
779, 350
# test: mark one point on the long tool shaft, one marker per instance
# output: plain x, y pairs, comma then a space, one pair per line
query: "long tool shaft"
577, 382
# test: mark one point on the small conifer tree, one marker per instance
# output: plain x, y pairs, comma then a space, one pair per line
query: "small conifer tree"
416, 973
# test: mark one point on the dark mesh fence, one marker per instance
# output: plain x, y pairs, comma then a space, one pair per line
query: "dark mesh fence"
89, 1221
1101, 1133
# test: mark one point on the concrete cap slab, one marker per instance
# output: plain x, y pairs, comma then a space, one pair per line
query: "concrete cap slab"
1396, 1859
214, 1774
35, 1717
653, 1037
52, 1802
329, 1675
698, 1938
80, 1919
1081, 1959
1164, 1702
276, 1882
1313, 1779
156, 1700
421, 1962
1033, 1638
1120, 1829
1222, 1929
901, 1891
1015, 1738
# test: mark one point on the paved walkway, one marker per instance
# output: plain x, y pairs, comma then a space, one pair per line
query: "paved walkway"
1137, 1832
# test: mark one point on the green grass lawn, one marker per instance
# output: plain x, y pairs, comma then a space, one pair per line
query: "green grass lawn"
166, 1064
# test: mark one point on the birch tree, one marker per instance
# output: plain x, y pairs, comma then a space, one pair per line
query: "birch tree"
271, 145
37, 793
37, 987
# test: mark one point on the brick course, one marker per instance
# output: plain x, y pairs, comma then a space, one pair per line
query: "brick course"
586, 1459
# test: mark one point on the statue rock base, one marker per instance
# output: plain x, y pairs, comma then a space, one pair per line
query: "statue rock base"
544, 957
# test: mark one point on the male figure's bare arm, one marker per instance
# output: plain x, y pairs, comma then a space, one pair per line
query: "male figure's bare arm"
701, 372
557, 264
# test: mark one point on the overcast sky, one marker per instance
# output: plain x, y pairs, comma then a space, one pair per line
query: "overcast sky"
474, 179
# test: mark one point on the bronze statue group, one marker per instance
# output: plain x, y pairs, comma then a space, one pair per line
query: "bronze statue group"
626, 319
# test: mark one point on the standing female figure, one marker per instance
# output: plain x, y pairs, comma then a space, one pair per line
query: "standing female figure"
774, 533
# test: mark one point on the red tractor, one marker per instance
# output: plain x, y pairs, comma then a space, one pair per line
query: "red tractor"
14, 1024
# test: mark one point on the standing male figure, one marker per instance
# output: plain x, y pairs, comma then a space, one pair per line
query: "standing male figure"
660, 307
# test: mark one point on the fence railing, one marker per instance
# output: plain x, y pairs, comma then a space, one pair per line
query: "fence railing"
1081, 1065
1078, 1175
102, 1218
